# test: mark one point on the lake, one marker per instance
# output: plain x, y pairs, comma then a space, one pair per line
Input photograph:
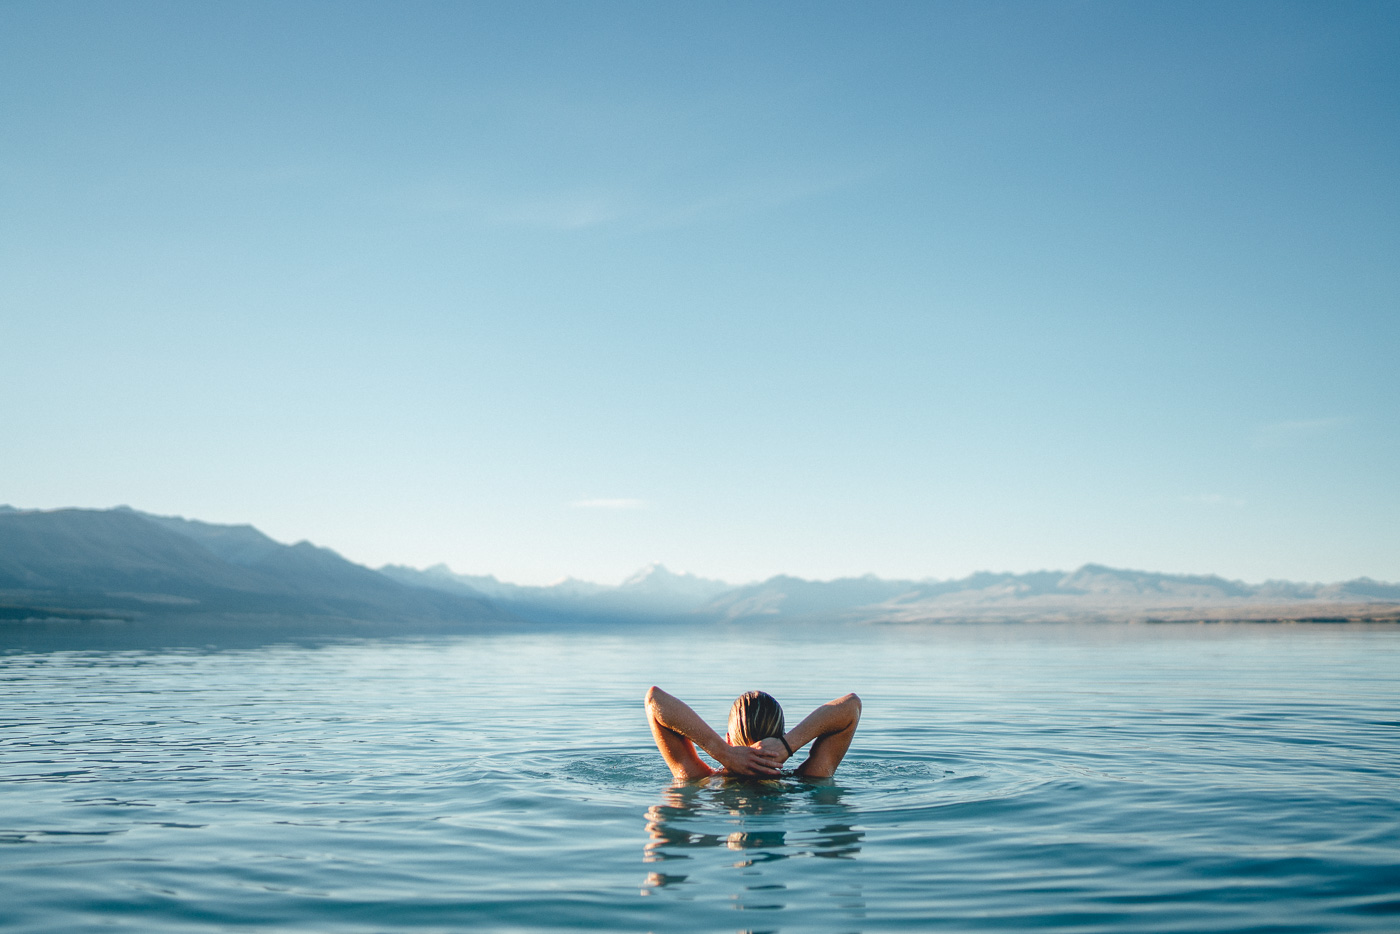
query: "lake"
1093, 778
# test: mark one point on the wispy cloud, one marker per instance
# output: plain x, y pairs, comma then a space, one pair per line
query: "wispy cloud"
571, 211
559, 210
608, 504
600, 203
1299, 431
1211, 499
588, 208
750, 196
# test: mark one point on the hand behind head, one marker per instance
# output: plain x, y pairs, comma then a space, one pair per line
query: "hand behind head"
752, 760
773, 747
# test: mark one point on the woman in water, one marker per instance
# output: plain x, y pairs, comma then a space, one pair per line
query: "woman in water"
756, 744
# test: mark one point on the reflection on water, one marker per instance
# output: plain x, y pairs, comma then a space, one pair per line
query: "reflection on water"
739, 839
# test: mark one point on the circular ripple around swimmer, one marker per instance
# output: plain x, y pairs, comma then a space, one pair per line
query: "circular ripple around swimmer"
618, 770
888, 782
878, 784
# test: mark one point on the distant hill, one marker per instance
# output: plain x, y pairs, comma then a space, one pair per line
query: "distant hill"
120, 564
1091, 592
126, 565
652, 593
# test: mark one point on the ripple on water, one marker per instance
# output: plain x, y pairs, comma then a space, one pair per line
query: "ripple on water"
1074, 784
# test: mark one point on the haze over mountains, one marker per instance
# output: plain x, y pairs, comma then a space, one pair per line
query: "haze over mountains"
1091, 592
121, 564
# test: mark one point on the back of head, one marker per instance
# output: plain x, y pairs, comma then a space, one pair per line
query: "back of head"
754, 716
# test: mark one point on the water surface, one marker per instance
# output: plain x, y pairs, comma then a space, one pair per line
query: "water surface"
1064, 778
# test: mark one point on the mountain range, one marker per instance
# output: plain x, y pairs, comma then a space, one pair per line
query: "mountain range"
125, 565
120, 564
1093, 592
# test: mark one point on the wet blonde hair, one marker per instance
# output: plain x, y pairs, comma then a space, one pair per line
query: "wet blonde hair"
755, 715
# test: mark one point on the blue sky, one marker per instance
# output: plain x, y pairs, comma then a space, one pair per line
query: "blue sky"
543, 289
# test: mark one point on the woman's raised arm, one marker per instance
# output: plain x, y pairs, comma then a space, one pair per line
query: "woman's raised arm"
678, 730
832, 725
